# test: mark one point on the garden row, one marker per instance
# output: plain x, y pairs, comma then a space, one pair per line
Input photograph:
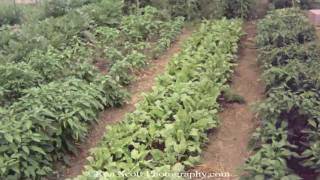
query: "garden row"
196, 9
166, 132
67, 46
11, 13
278, 4
288, 143
50, 90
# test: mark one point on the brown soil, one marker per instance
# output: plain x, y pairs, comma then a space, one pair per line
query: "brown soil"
144, 82
228, 149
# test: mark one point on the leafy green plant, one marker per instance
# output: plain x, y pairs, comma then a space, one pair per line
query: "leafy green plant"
168, 127
274, 57
270, 163
312, 155
60, 7
273, 150
239, 8
292, 79
15, 78
229, 96
277, 4
54, 92
141, 26
106, 12
283, 27
47, 121
9, 15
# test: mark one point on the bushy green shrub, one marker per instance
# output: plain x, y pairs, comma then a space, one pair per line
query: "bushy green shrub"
283, 27
292, 78
278, 4
46, 122
195, 9
106, 12
238, 8
55, 8
269, 162
9, 14
15, 78
273, 57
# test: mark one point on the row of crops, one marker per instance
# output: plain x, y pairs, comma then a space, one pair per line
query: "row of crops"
167, 130
304, 4
12, 13
288, 143
50, 89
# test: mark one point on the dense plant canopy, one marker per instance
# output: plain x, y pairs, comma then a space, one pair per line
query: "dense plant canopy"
288, 141
51, 91
166, 131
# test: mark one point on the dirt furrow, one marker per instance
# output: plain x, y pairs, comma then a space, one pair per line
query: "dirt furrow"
144, 83
228, 149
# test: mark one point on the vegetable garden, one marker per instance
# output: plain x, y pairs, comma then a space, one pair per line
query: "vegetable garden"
69, 61
165, 132
288, 141
50, 89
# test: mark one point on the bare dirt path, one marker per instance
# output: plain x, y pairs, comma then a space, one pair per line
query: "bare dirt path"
144, 82
227, 149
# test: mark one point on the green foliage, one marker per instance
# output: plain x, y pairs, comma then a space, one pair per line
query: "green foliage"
52, 92
106, 12
231, 97
15, 78
9, 15
269, 162
196, 9
312, 154
57, 32
42, 67
281, 3
129, 46
141, 26
283, 27
274, 57
213, 9
291, 108
166, 131
168, 32
57, 8
47, 121
238, 8
277, 4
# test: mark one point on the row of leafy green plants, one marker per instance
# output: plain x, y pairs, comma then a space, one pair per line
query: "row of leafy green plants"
288, 143
195, 9
50, 90
278, 4
79, 37
12, 13
167, 130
